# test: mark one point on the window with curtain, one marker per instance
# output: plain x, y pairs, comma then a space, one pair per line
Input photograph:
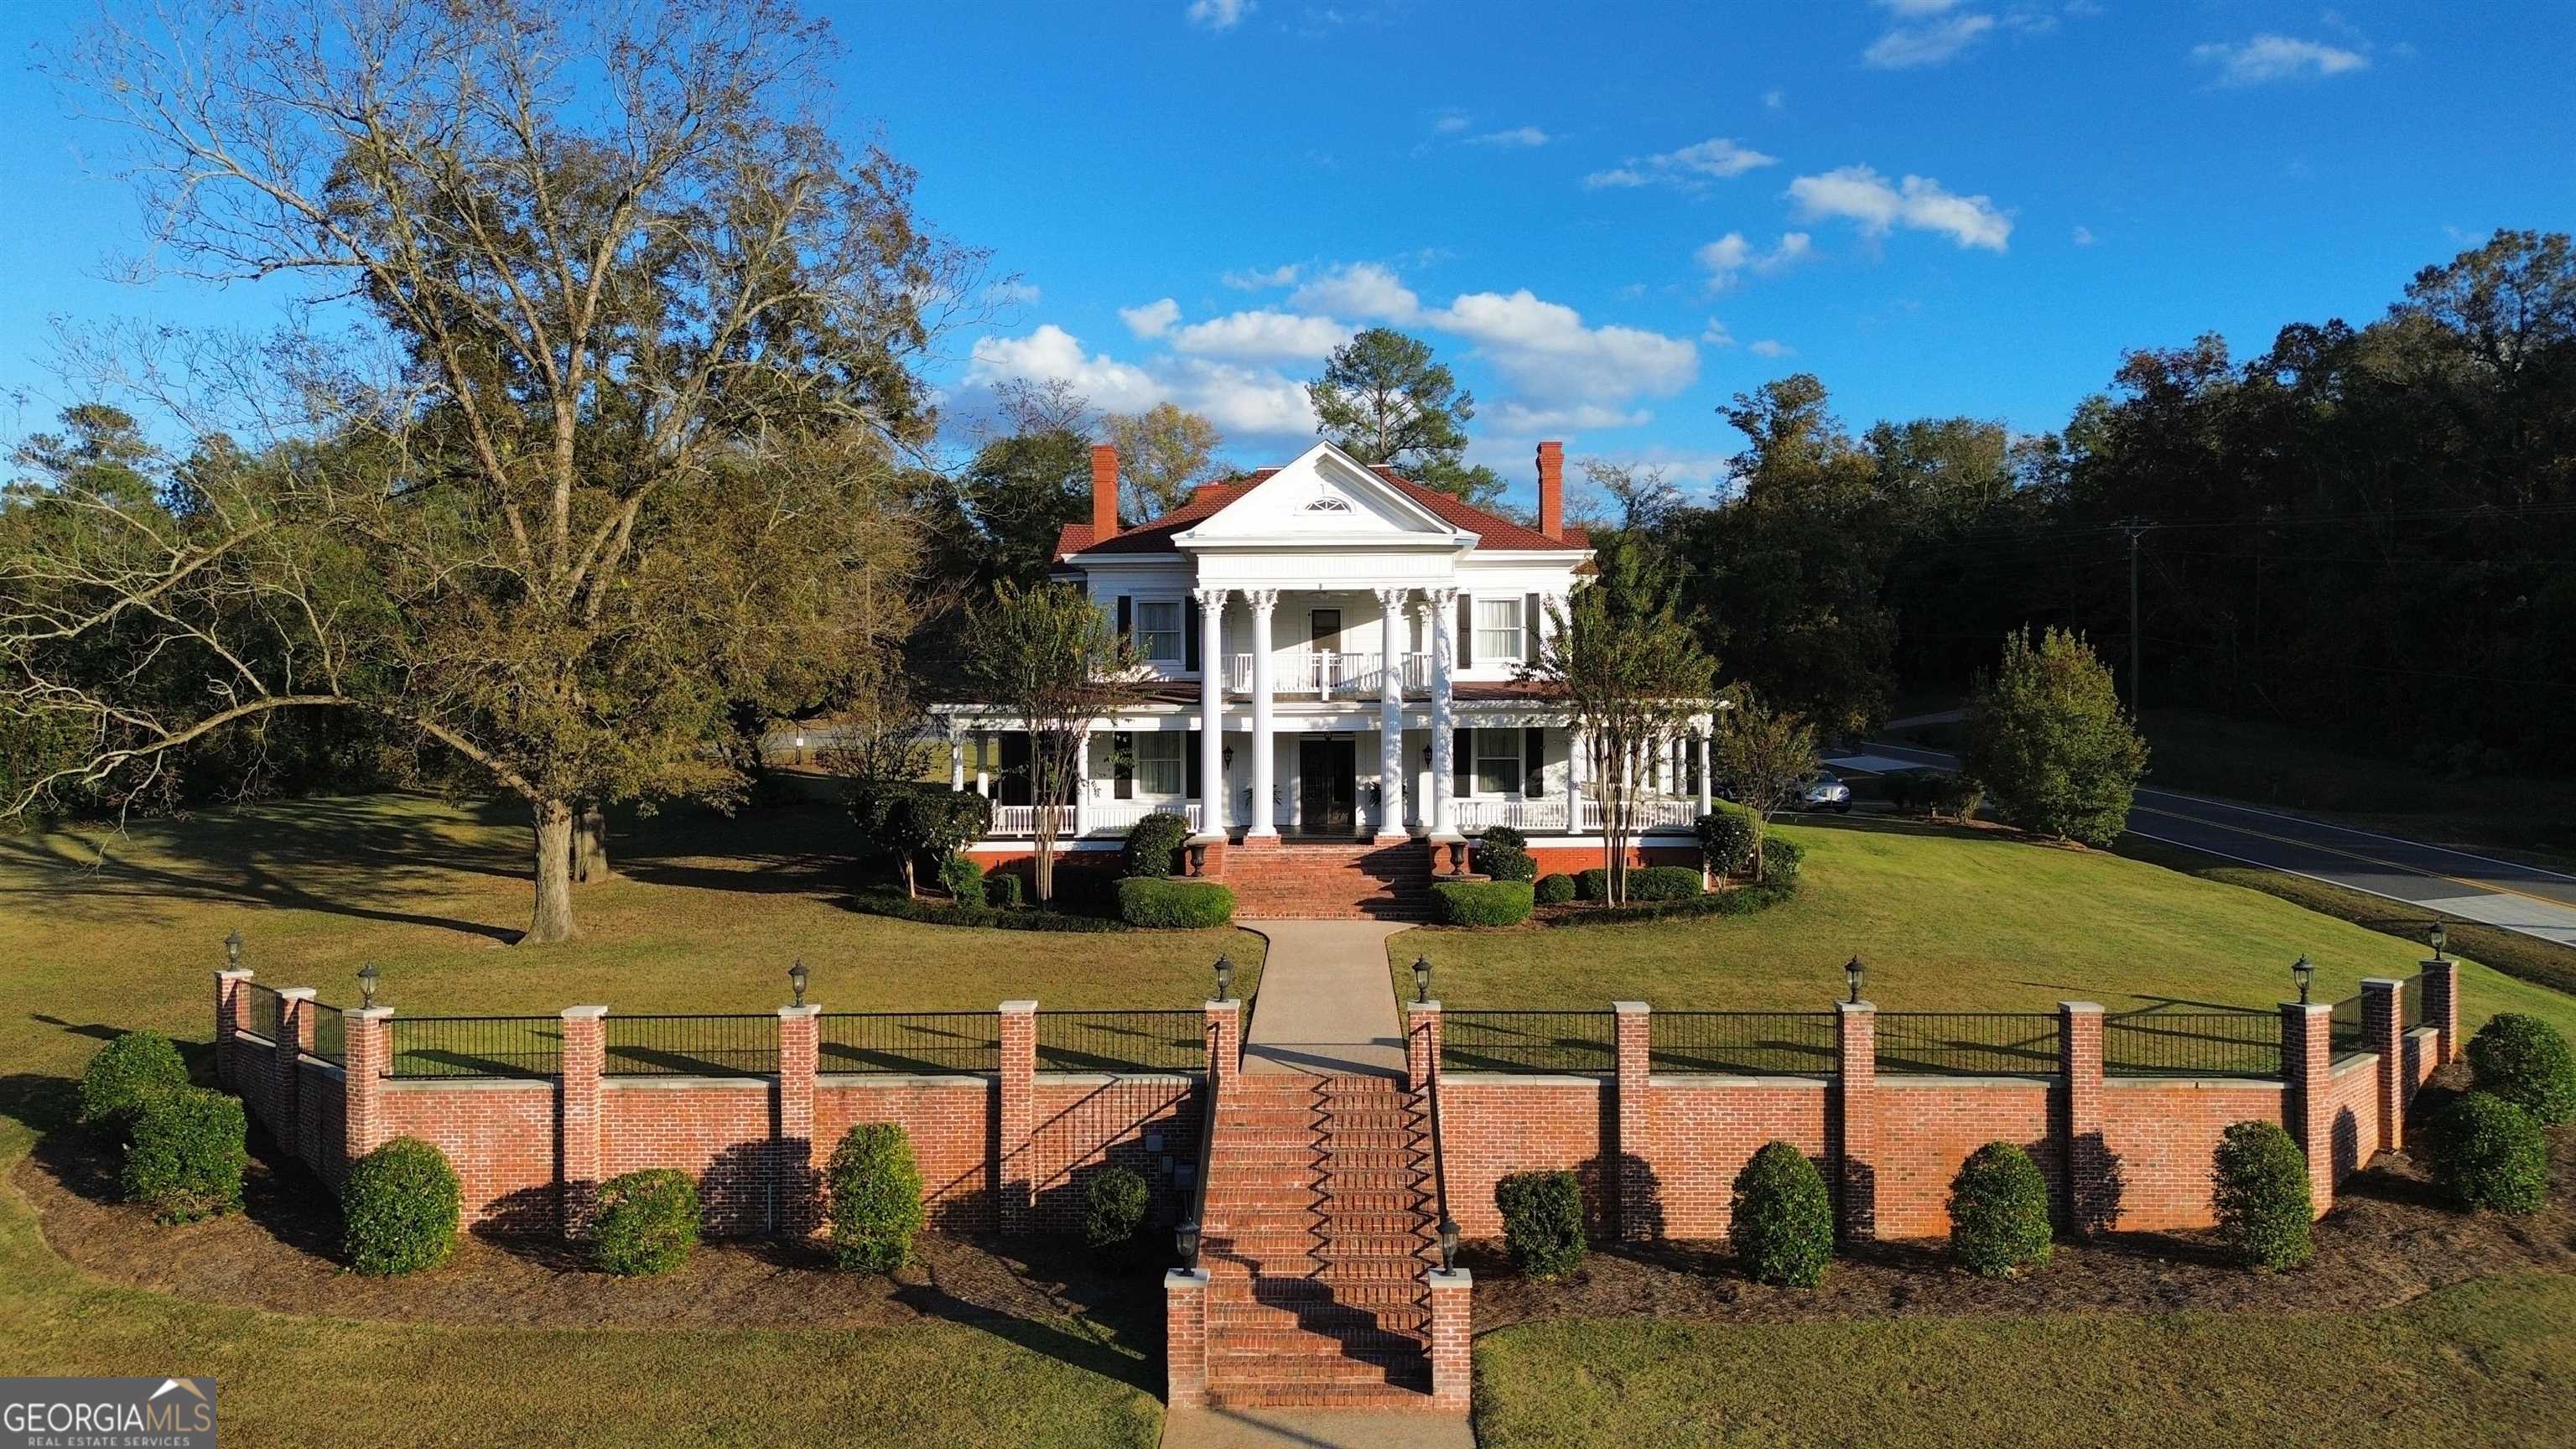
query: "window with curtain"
1498, 762
1160, 765
1498, 630
1158, 630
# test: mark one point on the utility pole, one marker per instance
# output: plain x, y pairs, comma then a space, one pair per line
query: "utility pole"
2134, 526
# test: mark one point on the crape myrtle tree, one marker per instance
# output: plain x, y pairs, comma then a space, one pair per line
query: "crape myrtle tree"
601, 444
1633, 678
1767, 754
1047, 656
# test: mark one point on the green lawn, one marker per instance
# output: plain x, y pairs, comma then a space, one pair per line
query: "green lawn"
705, 916
1949, 919
2487, 1363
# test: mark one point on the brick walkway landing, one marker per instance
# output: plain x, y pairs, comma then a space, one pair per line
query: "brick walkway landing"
1312, 880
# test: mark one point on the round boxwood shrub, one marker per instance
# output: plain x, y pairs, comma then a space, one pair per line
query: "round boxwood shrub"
1505, 862
1154, 845
2489, 1152
1999, 1212
647, 1223
1002, 889
1663, 883
2519, 1058
875, 1198
1783, 1223
1553, 889
1781, 858
963, 878
1114, 1204
399, 1207
1726, 839
2261, 1179
1542, 1222
1592, 885
125, 1071
1179, 904
1481, 902
186, 1155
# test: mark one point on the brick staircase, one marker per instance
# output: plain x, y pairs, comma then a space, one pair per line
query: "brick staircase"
1329, 879
1319, 1229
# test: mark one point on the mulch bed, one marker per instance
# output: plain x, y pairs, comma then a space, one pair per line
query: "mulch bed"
281, 1252
2389, 1239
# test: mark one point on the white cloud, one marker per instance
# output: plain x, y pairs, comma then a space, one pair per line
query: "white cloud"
1917, 203
1241, 401
1905, 47
1010, 294
1518, 419
1916, 8
1449, 122
1051, 354
1244, 401
1262, 336
1151, 320
2268, 58
1361, 289
1544, 349
1254, 279
1775, 99
1515, 136
1769, 347
2084, 236
1729, 255
1691, 167
1219, 14
1716, 335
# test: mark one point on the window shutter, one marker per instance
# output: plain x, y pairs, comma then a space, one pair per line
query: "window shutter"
1466, 632
1126, 617
1122, 748
1533, 761
1462, 764
1529, 625
1189, 640
1195, 783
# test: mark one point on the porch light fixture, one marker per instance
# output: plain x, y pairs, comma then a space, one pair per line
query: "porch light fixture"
1448, 1244
1853, 974
232, 950
796, 978
1421, 977
1224, 977
1225, 754
2305, 970
1186, 1238
2439, 936
367, 984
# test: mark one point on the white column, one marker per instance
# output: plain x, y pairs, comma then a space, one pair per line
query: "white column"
1573, 780
1081, 782
1444, 656
1264, 825
1390, 712
956, 758
1212, 790
1707, 785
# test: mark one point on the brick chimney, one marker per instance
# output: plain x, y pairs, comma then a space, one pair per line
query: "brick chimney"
1551, 489
1104, 493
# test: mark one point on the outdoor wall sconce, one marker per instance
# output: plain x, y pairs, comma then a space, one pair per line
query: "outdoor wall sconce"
1448, 1244
796, 978
232, 950
1225, 754
1224, 978
1421, 978
367, 984
2304, 970
1186, 1238
1853, 974
2439, 936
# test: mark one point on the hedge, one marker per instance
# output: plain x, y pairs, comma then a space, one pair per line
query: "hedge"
1782, 1225
1174, 904
2519, 1058
1554, 889
1592, 885
875, 1192
1503, 854
1781, 858
1664, 883
1002, 890
187, 1153
2261, 1179
125, 1071
647, 1223
1542, 1222
1999, 1212
898, 906
1114, 1204
2489, 1152
399, 1208
1154, 845
1481, 902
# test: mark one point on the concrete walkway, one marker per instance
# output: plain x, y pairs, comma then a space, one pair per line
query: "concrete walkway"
1313, 1429
1327, 1005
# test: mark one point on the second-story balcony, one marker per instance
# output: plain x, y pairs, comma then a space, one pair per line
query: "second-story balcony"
1329, 675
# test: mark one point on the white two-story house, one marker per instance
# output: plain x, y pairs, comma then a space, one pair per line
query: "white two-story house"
1338, 655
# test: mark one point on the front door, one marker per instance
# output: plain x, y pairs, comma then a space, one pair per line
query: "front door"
1328, 785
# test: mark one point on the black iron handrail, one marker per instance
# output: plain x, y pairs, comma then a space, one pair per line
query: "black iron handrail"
1448, 1228
1196, 1233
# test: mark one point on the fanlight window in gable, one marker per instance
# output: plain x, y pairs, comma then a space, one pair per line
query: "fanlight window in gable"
1329, 504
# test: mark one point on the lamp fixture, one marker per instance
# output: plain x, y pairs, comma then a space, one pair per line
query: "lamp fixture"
367, 984
2304, 971
232, 950
796, 978
2439, 936
1186, 1238
1853, 975
1421, 977
1224, 977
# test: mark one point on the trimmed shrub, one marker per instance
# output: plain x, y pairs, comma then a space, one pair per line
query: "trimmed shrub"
1999, 1212
963, 879
1504, 862
1783, 1226
1542, 1222
186, 1155
2519, 1058
907, 823
1504, 835
125, 1071
1553, 889
1663, 883
1114, 1204
1726, 839
2261, 1179
1592, 885
1781, 858
647, 1223
1174, 904
1002, 889
898, 906
399, 1207
2489, 1152
1744, 900
1481, 902
875, 1198
1154, 845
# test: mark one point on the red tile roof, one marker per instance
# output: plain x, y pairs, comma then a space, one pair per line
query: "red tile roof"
1493, 531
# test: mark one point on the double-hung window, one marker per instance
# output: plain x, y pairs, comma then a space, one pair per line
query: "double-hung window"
1498, 630
1159, 763
1498, 762
1158, 630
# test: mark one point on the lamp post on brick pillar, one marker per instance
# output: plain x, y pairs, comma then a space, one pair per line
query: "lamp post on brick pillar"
294, 1035
585, 1060
793, 1214
1421, 1044
1016, 1119
1224, 1044
2441, 1005
2383, 1030
1452, 1338
2089, 1199
366, 1056
1636, 1182
1855, 1120
2307, 1064
232, 1016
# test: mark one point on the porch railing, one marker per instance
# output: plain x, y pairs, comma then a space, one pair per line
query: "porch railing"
1099, 817
1535, 815
1023, 819
1653, 812
1329, 673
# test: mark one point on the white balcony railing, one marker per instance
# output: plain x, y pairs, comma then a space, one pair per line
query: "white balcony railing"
1327, 673
1653, 812
1528, 815
1101, 817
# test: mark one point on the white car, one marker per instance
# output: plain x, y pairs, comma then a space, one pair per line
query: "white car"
1825, 790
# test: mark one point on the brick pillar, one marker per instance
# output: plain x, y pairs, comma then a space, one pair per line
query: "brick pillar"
795, 1210
232, 1015
2441, 1006
1452, 1338
1018, 1116
2089, 1200
1224, 1041
1637, 1212
294, 1037
363, 1128
2383, 1030
1185, 1340
585, 1058
1855, 1120
1421, 1044
2307, 1062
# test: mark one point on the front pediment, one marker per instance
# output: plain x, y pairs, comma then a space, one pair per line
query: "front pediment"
1325, 496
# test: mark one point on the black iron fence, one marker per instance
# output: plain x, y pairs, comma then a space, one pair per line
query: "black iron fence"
267, 1010
2344, 1035
474, 1046
1968, 1043
928, 1042
1582, 1043
2158, 1042
2410, 1003
1749, 1043
330, 1034
692, 1046
1122, 1041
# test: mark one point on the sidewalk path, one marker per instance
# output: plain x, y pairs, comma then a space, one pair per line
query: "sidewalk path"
1327, 1005
1313, 1429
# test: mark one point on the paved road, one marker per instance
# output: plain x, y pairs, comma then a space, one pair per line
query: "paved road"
2480, 888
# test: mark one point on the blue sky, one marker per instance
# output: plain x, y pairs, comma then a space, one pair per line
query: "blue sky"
1608, 221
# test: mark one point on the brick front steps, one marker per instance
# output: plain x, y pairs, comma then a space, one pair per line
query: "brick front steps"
1328, 880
